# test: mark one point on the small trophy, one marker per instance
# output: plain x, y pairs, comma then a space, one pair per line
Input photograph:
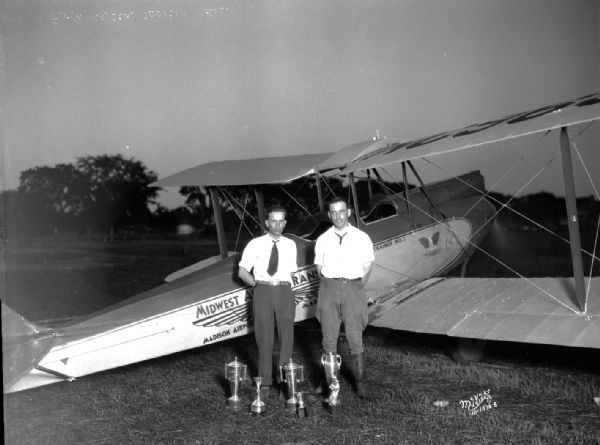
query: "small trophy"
301, 411
235, 372
291, 373
331, 363
258, 406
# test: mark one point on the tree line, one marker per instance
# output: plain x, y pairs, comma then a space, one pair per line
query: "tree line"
110, 193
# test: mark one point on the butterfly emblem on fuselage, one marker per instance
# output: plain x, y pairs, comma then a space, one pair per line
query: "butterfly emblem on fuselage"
431, 243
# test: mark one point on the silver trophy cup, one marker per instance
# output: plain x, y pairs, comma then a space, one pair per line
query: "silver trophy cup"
291, 373
235, 372
301, 411
258, 406
331, 364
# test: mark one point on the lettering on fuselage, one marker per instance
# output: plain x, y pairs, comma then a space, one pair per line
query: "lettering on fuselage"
228, 309
305, 276
217, 336
218, 306
389, 243
305, 285
240, 328
382, 246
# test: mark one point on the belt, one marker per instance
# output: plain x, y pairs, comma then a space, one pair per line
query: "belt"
346, 280
273, 283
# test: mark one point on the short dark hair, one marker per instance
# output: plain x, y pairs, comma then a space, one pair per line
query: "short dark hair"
278, 209
337, 199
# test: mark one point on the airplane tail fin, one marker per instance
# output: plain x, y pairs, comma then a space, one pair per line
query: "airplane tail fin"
24, 344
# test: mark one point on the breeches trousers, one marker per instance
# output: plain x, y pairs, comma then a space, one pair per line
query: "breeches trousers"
342, 303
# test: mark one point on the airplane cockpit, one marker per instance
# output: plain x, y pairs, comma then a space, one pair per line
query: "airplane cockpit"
381, 207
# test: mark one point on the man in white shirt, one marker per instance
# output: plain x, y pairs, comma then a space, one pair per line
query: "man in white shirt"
343, 256
267, 264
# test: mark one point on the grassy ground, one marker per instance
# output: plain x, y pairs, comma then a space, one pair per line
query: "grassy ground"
541, 394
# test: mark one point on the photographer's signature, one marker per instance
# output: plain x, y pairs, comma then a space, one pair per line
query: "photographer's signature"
479, 403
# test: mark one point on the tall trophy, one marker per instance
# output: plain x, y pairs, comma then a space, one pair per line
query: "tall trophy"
258, 406
291, 373
331, 364
235, 372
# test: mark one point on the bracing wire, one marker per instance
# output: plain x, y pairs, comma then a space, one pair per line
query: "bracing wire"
237, 240
516, 212
586, 170
545, 292
295, 200
229, 199
505, 205
591, 180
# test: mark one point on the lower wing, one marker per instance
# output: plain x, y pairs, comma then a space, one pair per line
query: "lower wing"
529, 310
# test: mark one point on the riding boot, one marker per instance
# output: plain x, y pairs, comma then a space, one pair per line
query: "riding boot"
358, 369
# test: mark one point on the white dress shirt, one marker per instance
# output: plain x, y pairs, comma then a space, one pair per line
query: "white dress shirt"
345, 259
258, 251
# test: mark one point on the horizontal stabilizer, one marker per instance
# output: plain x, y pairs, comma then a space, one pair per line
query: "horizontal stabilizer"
23, 345
532, 310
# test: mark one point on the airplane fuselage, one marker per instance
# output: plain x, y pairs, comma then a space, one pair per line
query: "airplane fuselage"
211, 305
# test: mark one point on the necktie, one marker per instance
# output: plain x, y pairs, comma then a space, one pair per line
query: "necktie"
273, 260
341, 237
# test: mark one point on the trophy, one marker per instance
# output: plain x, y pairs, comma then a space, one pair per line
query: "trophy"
258, 406
235, 372
331, 363
301, 412
291, 373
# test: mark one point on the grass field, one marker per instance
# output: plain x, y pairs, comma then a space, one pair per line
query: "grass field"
538, 394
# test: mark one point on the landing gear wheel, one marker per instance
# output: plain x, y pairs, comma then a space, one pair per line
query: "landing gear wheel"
467, 350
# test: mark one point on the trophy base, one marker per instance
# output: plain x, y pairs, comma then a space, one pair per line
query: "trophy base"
291, 404
334, 410
234, 405
257, 410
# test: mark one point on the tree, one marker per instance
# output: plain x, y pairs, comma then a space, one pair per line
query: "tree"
98, 192
118, 190
52, 196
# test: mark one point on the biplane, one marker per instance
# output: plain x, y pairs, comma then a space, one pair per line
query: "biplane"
419, 234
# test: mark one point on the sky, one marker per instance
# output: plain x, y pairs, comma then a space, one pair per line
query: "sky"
177, 83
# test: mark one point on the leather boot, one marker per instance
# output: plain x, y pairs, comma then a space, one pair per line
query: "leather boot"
358, 369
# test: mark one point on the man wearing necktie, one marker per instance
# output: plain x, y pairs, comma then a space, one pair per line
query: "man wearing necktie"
343, 256
267, 264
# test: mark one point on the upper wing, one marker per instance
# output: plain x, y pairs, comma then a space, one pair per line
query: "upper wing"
533, 310
379, 153
245, 171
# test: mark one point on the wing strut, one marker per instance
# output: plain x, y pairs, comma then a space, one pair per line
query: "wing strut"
424, 189
355, 200
260, 203
319, 191
369, 185
214, 197
567, 165
406, 197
